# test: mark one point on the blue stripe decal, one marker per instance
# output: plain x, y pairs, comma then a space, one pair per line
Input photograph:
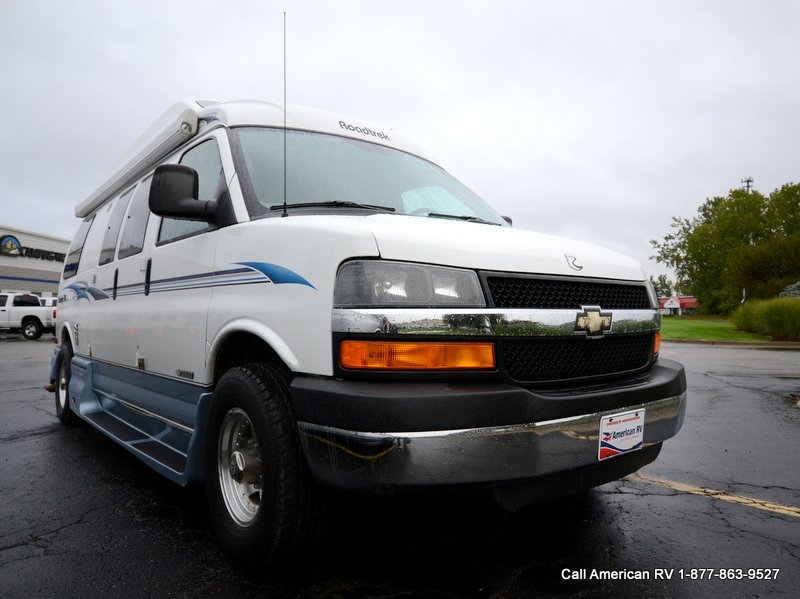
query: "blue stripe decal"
80, 292
252, 273
83, 291
201, 275
277, 274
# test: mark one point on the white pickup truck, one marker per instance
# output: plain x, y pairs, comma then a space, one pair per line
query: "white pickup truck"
22, 312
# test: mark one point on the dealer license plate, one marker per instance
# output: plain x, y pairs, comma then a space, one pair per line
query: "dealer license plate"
620, 434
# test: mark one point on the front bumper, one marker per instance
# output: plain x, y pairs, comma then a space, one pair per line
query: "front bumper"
384, 436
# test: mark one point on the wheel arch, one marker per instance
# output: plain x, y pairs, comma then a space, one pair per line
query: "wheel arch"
244, 343
64, 335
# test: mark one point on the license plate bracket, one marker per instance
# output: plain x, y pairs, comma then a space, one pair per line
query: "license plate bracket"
620, 434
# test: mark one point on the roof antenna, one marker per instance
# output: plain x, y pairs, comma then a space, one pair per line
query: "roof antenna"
284, 116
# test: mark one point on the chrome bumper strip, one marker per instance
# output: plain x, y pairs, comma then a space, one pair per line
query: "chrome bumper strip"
373, 459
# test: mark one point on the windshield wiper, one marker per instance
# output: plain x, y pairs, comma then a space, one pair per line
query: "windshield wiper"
333, 204
467, 217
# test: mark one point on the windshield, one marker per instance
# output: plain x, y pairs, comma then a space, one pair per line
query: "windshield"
327, 172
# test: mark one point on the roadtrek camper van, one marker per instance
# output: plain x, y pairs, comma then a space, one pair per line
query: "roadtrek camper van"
272, 302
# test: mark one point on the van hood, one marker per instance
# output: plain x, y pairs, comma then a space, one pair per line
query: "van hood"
490, 247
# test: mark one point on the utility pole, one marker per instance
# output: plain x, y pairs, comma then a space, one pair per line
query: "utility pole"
748, 184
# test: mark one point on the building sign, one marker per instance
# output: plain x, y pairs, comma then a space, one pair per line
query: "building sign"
672, 303
10, 246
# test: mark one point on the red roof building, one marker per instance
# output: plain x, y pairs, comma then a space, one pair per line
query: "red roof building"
677, 305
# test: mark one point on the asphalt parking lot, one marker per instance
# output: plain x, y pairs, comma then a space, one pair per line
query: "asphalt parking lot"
717, 515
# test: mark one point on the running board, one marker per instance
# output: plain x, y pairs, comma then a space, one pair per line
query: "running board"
171, 448
138, 442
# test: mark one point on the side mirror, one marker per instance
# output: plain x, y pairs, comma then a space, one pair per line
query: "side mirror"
173, 193
508, 220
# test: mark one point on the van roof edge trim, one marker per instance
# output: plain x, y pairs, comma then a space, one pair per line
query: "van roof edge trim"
177, 125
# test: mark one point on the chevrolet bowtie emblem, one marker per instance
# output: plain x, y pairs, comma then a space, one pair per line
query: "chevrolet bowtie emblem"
593, 321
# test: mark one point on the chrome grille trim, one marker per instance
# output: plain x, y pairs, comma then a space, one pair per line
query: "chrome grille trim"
483, 322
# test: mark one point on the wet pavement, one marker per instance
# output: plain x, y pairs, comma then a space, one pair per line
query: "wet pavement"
81, 517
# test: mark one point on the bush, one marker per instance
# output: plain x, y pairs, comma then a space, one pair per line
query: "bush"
781, 317
778, 318
746, 318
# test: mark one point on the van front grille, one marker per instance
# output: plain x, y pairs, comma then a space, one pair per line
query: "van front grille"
559, 294
544, 360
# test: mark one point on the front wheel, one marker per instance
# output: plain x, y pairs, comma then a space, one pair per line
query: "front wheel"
258, 488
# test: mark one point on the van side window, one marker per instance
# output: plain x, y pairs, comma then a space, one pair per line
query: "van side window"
75, 249
132, 240
205, 159
114, 225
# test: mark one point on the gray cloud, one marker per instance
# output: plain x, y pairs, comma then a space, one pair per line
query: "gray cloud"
585, 119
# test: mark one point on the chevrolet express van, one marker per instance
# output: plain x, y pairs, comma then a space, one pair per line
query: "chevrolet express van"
272, 301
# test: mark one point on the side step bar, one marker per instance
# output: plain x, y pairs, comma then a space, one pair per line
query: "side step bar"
172, 448
138, 441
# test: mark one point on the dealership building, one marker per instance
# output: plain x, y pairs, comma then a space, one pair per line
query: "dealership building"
30, 261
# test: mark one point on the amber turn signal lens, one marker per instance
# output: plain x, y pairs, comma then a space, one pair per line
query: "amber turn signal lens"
391, 355
657, 345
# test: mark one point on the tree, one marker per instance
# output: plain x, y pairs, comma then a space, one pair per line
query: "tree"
740, 241
663, 286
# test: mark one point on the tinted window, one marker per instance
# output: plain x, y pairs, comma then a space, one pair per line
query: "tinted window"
206, 161
3, 300
114, 225
75, 249
26, 300
132, 240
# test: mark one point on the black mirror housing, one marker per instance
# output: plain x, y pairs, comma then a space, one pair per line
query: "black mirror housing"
173, 194
508, 220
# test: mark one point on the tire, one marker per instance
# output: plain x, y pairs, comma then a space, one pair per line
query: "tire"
259, 491
31, 329
63, 375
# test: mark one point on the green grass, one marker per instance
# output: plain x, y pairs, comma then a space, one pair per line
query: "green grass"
706, 328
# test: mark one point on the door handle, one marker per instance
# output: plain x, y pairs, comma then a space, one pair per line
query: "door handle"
147, 276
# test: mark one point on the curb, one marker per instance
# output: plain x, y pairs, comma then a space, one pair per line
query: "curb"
776, 345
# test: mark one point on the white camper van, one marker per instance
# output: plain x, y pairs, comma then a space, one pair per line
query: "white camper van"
271, 301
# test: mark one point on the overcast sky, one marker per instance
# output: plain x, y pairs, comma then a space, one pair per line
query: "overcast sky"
596, 120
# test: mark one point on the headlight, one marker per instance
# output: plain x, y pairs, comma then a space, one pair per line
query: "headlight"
365, 283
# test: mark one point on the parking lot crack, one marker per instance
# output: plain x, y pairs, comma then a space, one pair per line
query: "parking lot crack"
27, 434
42, 540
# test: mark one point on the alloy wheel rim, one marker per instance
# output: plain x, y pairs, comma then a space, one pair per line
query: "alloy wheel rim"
61, 390
239, 467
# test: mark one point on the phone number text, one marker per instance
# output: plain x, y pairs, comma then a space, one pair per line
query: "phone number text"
729, 573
